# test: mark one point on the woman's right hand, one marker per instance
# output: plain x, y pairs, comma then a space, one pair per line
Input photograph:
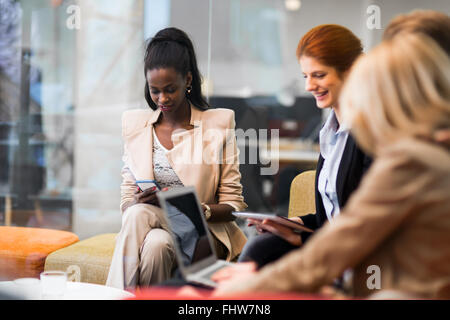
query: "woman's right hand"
255, 223
147, 196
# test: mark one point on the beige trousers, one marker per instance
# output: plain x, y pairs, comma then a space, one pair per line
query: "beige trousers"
144, 252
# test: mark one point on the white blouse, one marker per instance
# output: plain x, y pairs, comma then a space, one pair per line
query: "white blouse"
162, 170
183, 228
333, 139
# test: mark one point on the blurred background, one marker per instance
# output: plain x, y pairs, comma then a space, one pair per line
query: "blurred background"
69, 68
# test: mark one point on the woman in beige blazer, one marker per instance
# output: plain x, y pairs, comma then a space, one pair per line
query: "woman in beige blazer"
395, 233
180, 142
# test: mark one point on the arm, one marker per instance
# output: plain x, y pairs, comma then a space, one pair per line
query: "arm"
229, 191
128, 185
374, 212
221, 213
127, 189
282, 231
130, 193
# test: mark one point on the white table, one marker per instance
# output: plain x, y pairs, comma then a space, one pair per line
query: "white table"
74, 291
289, 150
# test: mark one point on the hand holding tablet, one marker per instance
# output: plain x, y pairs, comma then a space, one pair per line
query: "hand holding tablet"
273, 217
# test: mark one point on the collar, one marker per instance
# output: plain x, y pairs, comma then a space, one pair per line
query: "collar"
196, 116
329, 135
331, 125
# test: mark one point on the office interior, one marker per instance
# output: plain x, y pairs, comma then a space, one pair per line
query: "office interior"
70, 68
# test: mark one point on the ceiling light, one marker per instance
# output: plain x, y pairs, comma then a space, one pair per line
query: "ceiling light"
292, 5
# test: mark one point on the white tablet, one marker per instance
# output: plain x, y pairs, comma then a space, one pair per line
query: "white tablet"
278, 219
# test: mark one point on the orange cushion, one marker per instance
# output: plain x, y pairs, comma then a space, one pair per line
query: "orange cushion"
23, 250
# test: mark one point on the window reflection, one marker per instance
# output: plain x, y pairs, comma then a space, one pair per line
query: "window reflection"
63, 90
36, 114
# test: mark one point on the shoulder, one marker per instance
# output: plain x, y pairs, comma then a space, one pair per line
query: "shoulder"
419, 152
136, 114
402, 177
410, 162
135, 119
218, 118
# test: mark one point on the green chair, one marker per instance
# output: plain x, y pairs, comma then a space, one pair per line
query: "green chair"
85, 261
302, 194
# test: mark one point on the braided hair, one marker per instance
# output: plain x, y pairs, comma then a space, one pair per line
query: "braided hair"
172, 48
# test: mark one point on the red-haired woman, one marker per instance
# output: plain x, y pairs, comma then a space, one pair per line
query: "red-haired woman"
325, 54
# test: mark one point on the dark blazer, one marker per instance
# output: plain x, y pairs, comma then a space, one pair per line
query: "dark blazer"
353, 166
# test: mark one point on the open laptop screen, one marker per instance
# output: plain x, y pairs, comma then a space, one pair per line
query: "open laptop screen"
187, 224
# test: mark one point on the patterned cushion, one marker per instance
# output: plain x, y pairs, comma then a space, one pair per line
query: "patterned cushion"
85, 261
23, 250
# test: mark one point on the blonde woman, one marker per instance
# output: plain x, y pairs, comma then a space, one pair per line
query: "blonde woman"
395, 233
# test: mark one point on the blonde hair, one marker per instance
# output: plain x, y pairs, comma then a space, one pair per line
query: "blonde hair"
401, 88
431, 23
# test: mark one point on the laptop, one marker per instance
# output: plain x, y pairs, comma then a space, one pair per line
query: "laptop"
203, 262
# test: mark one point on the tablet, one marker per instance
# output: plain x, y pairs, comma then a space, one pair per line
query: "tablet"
271, 216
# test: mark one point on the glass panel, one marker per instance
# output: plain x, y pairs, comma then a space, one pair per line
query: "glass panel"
68, 70
37, 113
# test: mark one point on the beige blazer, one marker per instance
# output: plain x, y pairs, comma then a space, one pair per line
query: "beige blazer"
205, 157
395, 227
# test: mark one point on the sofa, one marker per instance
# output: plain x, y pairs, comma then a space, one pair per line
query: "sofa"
25, 252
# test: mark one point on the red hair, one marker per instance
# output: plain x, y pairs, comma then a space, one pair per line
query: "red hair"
333, 45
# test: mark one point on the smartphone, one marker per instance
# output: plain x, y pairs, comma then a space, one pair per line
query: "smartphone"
147, 184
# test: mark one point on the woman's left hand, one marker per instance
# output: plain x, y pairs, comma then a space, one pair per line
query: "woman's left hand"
230, 278
233, 285
234, 271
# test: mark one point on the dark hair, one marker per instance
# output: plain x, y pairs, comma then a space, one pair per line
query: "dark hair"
331, 44
434, 24
172, 48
